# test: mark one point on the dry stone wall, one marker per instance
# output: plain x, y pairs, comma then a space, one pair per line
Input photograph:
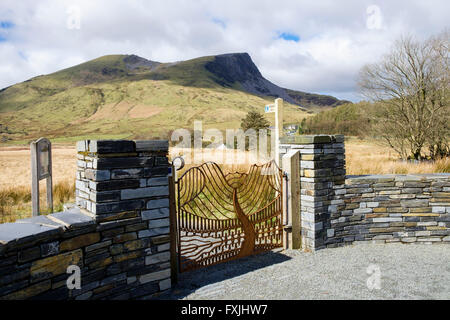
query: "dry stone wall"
391, 208
118, 234
337, 209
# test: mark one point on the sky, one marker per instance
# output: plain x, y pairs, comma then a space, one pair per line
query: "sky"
313, 46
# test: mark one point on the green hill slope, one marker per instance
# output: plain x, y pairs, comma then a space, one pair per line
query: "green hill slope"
126, 96
350, 119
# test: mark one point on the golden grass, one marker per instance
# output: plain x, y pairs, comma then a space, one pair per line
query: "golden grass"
15, 202
362, 157
15, 181
371, 157
228, 160
15, 165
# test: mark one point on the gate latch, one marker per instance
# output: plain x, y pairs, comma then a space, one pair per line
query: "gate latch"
286, 221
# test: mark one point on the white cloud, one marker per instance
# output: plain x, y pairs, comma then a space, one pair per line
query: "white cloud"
334, 39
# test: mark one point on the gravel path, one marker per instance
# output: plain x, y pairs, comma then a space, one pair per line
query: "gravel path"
407, 272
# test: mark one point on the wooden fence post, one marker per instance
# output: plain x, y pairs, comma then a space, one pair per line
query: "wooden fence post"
34, 179
41, 168
291, 189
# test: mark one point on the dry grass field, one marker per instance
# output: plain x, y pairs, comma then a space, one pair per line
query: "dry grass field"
15, 165
228, 160
362, 157
15, 181
372, 157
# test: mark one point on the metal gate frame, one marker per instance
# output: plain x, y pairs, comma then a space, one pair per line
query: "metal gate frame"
234, 233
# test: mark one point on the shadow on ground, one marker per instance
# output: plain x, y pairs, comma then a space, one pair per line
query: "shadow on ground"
190, 281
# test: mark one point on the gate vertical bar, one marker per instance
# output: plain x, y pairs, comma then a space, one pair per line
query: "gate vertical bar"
179, 218
173, 229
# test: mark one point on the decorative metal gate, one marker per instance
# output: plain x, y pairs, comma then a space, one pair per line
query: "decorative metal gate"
227, 216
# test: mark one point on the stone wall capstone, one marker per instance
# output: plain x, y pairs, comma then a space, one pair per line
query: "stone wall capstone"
118, 234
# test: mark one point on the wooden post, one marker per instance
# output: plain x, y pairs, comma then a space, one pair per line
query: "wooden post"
291, 189
50, 179
41, 168
277, 107
279, 116
34, 179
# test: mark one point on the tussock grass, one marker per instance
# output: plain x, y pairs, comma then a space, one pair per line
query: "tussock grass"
15, 202
442, 165
15, 181
370, 157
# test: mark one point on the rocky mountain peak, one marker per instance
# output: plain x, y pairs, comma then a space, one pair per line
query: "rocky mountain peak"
133, 62
239, 67
234, 67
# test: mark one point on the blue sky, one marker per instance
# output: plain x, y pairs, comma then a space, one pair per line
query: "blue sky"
219, 22
315, 46
288, 36
4, 26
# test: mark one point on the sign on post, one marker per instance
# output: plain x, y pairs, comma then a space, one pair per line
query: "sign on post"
277, 108
269, 108
41, 168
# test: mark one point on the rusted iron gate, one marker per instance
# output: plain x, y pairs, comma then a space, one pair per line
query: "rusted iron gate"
221, 217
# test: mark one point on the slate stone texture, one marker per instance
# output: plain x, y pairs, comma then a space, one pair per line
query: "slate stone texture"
338, 210
117, 234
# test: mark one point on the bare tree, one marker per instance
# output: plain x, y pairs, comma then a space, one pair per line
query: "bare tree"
411, 86
438, 140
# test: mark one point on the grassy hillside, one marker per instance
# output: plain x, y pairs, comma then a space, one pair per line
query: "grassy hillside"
119, 96
311, 100
352, 119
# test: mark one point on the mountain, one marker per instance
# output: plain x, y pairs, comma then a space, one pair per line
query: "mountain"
239, 68
126, 96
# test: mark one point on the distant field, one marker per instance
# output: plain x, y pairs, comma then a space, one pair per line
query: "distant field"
15, 181
362, 157
372, 157
15, 165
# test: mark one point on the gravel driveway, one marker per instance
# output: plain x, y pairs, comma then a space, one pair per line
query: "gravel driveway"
406, 272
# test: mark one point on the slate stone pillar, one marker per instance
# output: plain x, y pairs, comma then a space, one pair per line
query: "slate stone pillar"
116, 178
322, 171
123, 185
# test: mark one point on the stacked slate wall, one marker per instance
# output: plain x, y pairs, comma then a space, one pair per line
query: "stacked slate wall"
118, 234
322, 170
391, 208
338, 210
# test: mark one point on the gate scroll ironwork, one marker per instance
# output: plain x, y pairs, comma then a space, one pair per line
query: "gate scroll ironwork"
228, 216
